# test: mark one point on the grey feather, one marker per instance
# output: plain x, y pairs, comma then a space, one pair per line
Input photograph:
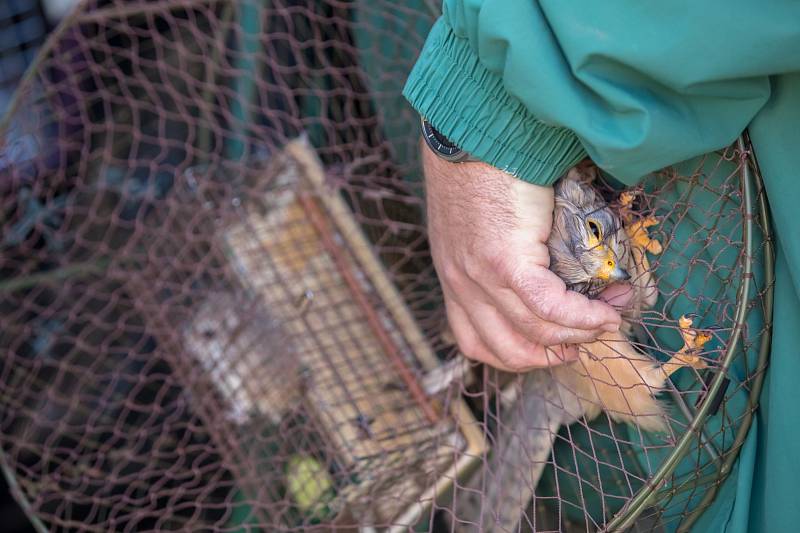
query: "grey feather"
572, 255
521, 455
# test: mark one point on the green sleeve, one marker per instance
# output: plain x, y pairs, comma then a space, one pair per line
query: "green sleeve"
532, 86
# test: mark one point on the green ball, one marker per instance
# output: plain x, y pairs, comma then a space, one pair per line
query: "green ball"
307, 481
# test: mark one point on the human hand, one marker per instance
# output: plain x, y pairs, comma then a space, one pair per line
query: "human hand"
488, 231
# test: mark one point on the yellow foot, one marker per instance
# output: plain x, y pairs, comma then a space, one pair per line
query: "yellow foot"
639, 236
693, 342
637, 231
626, 199
626, 206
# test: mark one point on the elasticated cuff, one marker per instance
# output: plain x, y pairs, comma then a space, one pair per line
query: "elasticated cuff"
471, 107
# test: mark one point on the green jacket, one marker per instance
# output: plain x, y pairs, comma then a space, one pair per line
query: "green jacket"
532, 86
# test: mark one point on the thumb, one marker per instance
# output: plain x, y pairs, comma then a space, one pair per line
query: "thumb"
547, 297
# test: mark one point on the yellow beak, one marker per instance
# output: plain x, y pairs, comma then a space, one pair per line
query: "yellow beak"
610, 271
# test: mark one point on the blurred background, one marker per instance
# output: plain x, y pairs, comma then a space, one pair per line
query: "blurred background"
24, 26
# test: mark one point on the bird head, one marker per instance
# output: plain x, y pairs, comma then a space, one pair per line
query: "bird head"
587, 244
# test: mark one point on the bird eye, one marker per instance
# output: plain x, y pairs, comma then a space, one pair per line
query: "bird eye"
594, 227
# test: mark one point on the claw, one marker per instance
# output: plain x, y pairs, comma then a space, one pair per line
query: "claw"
693, 342
637, 231
626, 206
626, 198
639, 236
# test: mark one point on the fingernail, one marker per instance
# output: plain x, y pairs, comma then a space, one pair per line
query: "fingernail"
611, 328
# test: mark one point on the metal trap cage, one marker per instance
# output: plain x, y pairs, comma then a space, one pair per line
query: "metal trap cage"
218, 310
302, 343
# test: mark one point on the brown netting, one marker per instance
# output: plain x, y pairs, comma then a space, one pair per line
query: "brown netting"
218, 311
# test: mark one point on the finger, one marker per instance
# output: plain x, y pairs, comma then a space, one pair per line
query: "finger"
514, 351
522, 320
546, 295
618, 295
534, 328
468, 340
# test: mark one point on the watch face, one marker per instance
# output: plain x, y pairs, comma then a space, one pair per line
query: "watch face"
439, 142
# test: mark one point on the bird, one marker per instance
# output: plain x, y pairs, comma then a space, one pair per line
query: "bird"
587, 245
592, 244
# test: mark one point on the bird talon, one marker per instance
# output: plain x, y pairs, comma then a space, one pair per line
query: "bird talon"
639, 236
626, 198
693, 342
637, 231
693, 360
649, 221
625, 208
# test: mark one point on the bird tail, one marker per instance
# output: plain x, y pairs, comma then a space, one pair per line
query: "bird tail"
525, 435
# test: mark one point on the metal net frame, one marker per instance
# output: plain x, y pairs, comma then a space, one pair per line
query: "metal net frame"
218, 310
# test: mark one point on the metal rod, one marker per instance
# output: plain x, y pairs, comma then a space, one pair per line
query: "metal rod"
250, 25
20, 496
27, 80
56, 275
317, 219
708, 443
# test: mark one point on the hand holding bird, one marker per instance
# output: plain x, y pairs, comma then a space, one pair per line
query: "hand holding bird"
592, 245
488, 233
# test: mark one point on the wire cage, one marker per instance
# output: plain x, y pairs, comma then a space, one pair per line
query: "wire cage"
218, 310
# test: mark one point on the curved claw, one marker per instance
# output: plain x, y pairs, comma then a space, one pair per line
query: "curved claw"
693, 342
626, 198
639, 236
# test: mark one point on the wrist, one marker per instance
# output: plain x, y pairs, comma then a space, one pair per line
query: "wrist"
462, 172
529, 206
479, 171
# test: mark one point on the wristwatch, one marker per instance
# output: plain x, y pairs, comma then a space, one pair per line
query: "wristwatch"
442, 146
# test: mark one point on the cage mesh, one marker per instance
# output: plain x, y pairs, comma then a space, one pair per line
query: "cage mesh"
218, 310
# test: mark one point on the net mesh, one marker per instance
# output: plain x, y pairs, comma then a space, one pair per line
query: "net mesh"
218, 310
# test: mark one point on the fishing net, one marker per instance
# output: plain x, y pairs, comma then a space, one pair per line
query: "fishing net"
218, 310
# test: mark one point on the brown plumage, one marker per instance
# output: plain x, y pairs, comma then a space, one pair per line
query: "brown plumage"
591, 245
611, 374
